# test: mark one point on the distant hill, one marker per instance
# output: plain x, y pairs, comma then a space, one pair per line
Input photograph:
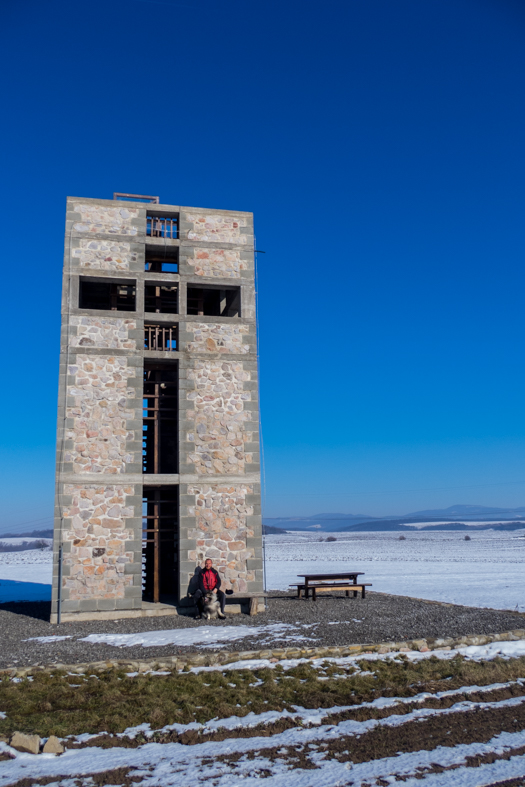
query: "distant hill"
269, 530
389, 524
32, 534
24, 546
471, 512
454, 516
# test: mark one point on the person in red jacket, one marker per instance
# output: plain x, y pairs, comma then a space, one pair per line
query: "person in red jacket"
209, 580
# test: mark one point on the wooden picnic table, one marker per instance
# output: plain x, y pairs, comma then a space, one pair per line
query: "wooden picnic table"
344, 580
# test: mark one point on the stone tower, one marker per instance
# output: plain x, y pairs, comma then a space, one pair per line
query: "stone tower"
158, 420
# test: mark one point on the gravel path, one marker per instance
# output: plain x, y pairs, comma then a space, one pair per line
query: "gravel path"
329, 621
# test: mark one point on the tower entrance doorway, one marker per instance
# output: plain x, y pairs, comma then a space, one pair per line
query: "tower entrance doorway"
160, 543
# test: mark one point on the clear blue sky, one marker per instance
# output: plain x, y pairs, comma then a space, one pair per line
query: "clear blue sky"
381, 147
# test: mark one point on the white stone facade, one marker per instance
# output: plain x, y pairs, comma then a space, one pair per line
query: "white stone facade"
106, 220
99, 432
216, 228
217, 263
95, 529
108, 332
218, 338
219, 418
221, 531
104, 255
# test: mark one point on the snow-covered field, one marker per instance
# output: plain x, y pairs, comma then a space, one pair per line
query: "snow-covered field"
26, 576
318, 749
487, 571
16, 541
467, 522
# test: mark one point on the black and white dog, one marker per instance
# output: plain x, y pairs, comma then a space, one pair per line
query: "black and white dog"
212, 607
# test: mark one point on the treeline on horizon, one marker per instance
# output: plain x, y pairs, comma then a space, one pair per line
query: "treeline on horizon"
32, 534
392, 526
25, 545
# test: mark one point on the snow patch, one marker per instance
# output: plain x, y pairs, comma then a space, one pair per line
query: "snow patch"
47, 639
203, 636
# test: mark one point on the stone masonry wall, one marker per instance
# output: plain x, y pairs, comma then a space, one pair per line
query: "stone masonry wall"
218, 338
97, 533
219, 263
103, 332
221, 532
214, 227
106, 220
105, 255
218, 415
99, 414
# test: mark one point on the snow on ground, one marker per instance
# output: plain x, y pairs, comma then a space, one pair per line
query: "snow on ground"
27, 540
468, 523
486, 571
244, 760
502, 650
305, 716
25, 562
26, 576
184, 766
204, 636
47, 640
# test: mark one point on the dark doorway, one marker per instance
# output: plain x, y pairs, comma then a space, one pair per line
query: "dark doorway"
161, 298
214, 302
160, 542
160, 437
106, 295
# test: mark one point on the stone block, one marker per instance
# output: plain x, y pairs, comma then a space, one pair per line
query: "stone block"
27, 743
106, 604
133, 568
132, 592
123, 603
87, 605
52, 746
69, 605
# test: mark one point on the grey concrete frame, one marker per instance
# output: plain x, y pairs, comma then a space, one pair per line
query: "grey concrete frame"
72, 272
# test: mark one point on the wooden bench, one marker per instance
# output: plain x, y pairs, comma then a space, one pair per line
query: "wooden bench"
326, 587
254, 599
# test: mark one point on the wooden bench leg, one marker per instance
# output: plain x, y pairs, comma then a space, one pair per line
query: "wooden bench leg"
347, 593
314, 596
362, 592
254, 605
355, 593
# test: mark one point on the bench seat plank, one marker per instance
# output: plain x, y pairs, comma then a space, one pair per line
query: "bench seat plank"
327, 587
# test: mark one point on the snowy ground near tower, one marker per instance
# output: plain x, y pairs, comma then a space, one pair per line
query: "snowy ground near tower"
321, 747
486, 571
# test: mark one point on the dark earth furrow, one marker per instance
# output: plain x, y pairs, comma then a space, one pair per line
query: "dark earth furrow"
478, 725
194, 737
